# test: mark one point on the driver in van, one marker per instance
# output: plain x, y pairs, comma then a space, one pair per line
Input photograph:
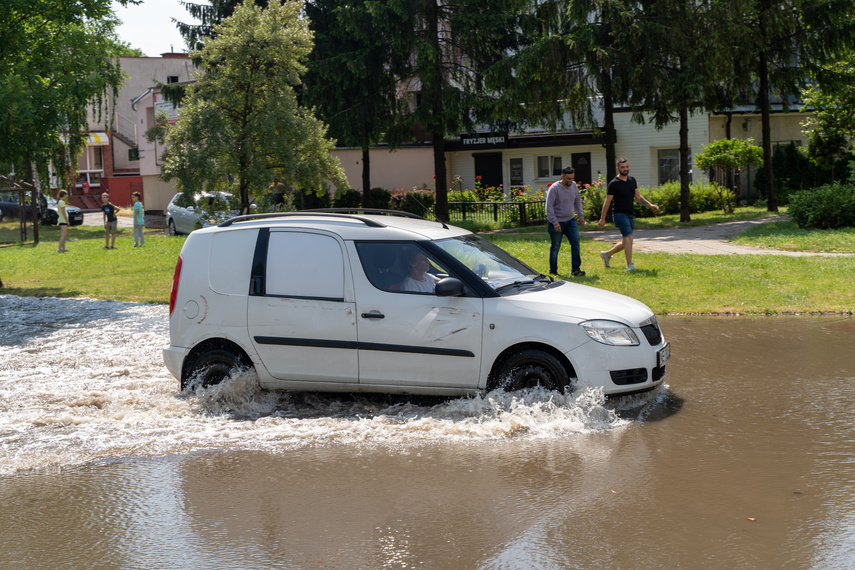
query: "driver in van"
418, 279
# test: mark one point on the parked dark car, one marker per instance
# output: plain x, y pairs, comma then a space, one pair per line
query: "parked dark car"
11, 209
51, 216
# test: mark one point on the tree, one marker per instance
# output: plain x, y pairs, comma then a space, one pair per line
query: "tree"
680, 72
831, 97
56, 59
209, 15
241, 124
448, 46
724, 157
348, 81
789, 39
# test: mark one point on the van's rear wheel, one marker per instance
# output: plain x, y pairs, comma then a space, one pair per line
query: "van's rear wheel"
530, 368
212, 367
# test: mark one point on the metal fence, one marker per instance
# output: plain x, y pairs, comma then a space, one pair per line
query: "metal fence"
522, 213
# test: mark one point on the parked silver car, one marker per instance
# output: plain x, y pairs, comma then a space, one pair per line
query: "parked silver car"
185, 214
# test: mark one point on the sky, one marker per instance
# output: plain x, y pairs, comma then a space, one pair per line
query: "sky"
149, 27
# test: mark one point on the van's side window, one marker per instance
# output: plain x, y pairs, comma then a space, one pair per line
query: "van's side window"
293, 269
399, 267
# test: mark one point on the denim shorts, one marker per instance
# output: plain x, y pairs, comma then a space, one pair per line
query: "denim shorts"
625, 223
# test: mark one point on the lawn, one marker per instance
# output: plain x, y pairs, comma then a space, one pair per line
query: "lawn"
669, 284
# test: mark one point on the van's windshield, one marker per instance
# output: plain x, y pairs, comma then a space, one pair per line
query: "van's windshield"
491, 263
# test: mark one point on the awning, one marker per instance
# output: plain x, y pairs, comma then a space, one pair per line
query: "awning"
93, 138
97, 139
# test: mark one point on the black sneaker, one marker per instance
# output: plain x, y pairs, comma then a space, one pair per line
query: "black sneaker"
551, 272
578, 273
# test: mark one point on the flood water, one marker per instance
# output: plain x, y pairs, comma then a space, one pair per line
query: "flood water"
745, 459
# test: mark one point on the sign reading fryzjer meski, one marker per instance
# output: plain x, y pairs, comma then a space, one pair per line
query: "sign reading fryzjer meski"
483, 141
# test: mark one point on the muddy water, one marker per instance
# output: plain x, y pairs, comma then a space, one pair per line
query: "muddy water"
745, 459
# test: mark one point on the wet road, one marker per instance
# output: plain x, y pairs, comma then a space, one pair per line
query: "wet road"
744, 460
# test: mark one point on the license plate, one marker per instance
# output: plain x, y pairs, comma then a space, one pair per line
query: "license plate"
663, 355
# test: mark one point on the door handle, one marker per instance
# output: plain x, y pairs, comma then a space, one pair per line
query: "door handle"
373, 316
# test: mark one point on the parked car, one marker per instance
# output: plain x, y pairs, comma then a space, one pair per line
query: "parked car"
51, 214
185, 214
11, 208
320, 301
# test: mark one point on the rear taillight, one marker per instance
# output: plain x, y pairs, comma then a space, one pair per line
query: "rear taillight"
175, 279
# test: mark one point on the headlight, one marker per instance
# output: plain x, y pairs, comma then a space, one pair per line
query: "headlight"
610, 332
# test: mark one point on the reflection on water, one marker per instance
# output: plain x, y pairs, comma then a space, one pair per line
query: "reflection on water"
744, 460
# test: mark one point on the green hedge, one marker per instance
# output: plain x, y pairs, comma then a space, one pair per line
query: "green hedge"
377, 198
702, 198
419, 202
828, 207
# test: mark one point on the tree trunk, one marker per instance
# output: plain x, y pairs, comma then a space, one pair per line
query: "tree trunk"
440, 177
768, 166
728, 176
685, 215
610, 134
366, 175
36, 201
434, 88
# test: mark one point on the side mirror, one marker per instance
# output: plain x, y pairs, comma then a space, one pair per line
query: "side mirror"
449, 287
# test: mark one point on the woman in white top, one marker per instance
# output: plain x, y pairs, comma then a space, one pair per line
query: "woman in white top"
418, 280
63, 219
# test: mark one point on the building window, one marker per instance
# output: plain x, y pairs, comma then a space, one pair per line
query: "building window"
669, 165
171, 79
548, 166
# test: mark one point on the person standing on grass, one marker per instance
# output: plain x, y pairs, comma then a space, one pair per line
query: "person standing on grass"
139, 220
110, 221
623, 190
61, 210
563, 206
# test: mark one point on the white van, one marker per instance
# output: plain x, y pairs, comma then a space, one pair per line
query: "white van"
374, 302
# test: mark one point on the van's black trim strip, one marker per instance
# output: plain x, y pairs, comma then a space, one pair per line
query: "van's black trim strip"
308, 298
354, 345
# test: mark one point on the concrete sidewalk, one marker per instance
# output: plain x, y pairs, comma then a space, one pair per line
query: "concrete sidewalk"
97, 219
712, 239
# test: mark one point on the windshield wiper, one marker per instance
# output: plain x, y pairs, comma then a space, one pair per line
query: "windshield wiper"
542, 277
514, 284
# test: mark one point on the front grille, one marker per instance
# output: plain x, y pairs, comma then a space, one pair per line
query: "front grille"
652, 334
631, 376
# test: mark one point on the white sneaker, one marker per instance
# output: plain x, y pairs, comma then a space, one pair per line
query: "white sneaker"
630, 267
605, 257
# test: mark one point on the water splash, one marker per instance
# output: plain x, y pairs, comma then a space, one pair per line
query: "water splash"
91, 386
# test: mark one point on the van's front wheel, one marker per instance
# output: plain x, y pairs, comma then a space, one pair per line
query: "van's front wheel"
212, 367
530, 368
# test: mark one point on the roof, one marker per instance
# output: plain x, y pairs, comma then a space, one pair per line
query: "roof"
352, 226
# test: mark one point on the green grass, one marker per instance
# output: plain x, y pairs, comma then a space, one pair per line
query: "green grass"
787, 236
142, 274
707, 284
669, 284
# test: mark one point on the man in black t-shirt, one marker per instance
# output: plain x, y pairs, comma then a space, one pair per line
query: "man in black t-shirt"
623, 191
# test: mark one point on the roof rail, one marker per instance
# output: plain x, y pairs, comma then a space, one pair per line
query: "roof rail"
348, 213
366, 221
376, 211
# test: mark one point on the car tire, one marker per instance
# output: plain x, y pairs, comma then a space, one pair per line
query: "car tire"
530, 368
212, 367
171, 226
